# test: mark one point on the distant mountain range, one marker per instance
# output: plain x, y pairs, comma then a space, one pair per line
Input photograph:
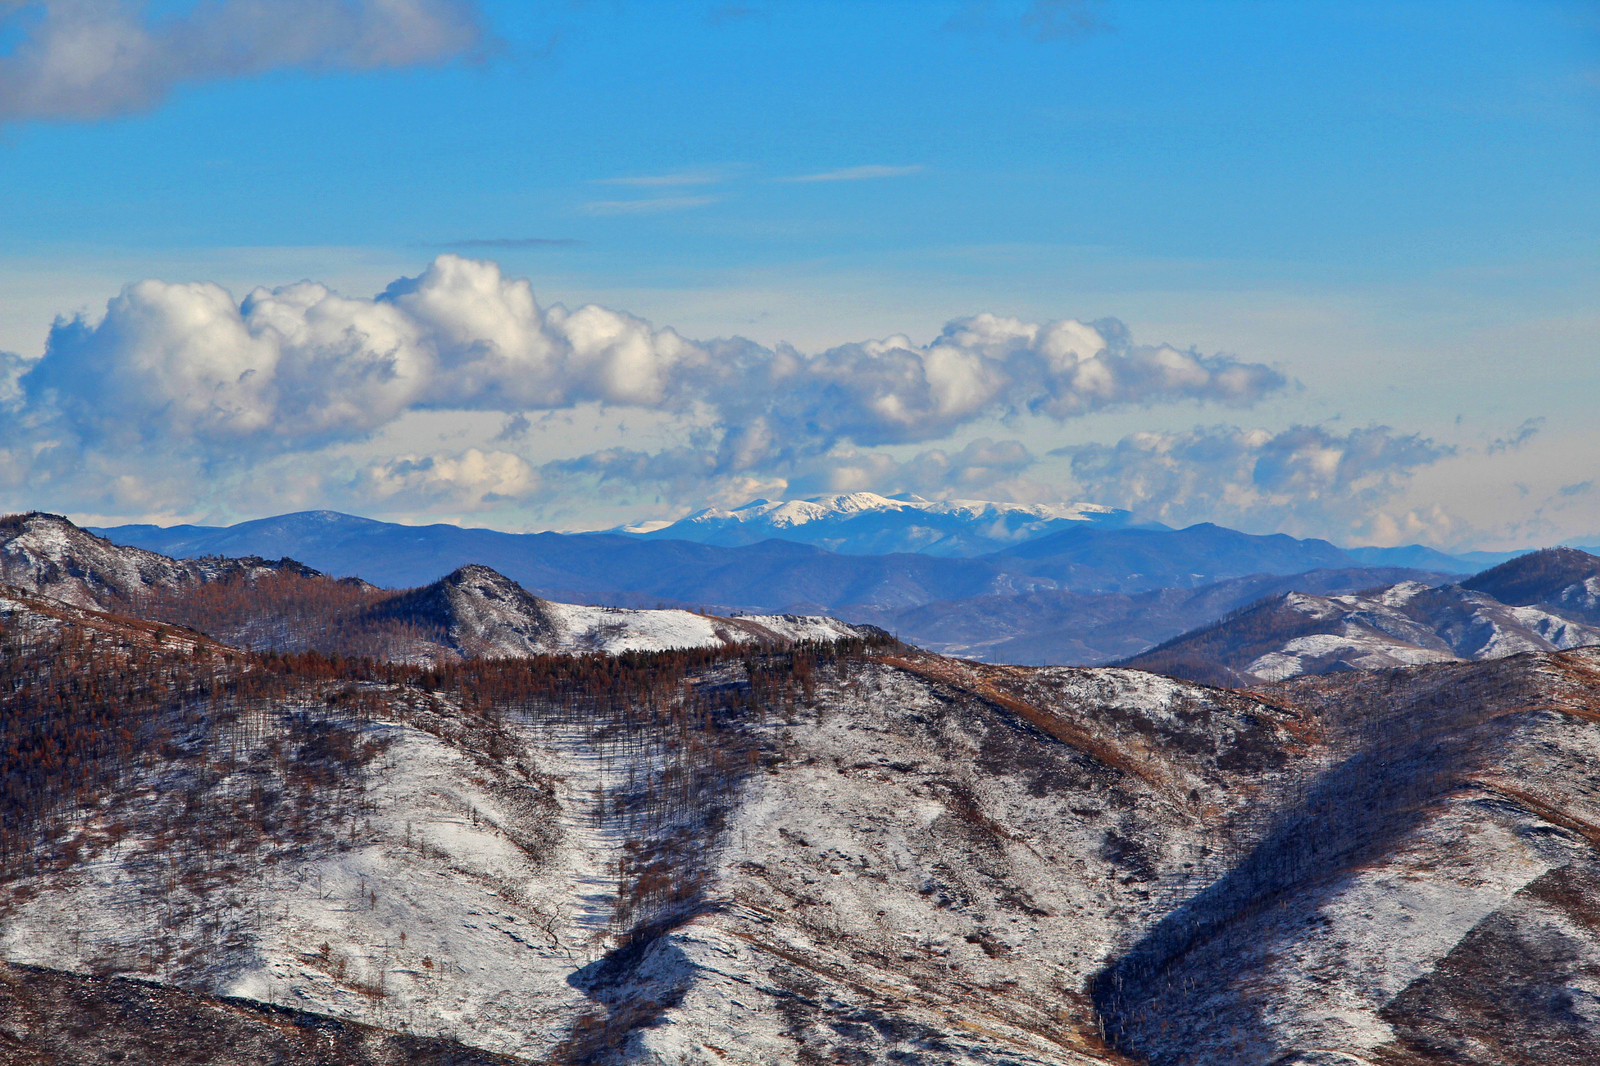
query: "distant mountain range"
1070, 583
1090, 628
864, 523
1205, 603
772, 574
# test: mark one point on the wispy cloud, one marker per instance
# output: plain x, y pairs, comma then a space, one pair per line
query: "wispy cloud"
1055, 20
646, 207
77, 60
512, 242
1523, 434
1304, 479
707, 176
856, 174
1044, 20
733, 13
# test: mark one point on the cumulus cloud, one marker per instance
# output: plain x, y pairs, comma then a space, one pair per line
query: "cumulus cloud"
12, 367
691, 476
893, 391
973, 470
466, 480
185, 373
92, 59
1305, 477
301, 366
983, 468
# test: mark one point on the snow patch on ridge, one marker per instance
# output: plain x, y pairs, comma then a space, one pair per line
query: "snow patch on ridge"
865, 523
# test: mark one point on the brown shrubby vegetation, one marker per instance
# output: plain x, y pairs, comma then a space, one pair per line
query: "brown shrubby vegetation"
292, 611
85, 717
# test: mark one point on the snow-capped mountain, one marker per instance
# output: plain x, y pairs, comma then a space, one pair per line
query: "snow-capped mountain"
864, 523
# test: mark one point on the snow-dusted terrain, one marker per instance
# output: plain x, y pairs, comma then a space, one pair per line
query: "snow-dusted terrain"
1566, 580
801, 843
473, 612
895, 858
864, 523
47, 554
1406, 624
487, 615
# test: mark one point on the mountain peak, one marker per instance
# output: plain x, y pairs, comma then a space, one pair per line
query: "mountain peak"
1566, 579
49, 555
866, 523
477, 573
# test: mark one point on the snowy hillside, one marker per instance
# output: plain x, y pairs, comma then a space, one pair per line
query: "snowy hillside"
1566, 580
1407, 624
47, 554
864, 523
473, 612
875, 856
486, 614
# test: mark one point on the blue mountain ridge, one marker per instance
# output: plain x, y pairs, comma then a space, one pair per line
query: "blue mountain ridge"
772, 575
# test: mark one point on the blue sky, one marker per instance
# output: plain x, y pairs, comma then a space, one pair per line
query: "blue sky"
1390, 205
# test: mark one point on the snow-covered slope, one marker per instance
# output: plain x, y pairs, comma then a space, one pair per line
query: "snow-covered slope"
1564, 580
487, 615
47, 554
1404, 625
473, 612
888, 858
864, 523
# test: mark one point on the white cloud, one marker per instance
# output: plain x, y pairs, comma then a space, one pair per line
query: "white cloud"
855, 174
1305, 478
653, 206
893, 391
12, 367
679, 177
466, 480
193, 387
690, 477
92, 59
301, 366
